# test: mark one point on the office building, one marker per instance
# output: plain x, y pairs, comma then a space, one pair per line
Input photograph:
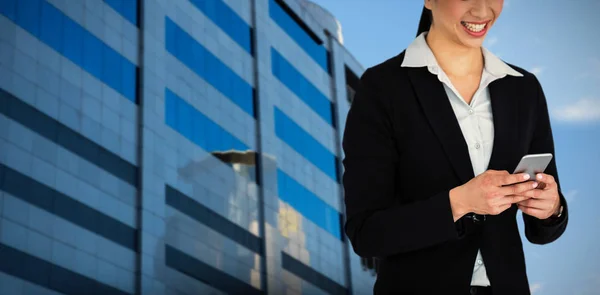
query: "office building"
174, 147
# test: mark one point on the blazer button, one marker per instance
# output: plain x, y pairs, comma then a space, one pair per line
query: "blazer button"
473, 291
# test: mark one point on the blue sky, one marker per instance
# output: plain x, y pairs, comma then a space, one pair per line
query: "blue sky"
558, 41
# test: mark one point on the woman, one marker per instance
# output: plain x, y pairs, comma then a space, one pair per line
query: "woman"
429, 142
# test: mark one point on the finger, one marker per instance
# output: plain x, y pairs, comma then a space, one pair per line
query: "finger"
532, 211
512, 199
547, 179
542, 186
512, 178
498, 209
535, 194
537, 204
504, 207
517, 189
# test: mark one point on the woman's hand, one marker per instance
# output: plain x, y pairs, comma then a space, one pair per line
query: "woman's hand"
491, 192
544, 201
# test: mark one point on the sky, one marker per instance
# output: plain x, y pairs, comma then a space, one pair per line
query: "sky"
557, 41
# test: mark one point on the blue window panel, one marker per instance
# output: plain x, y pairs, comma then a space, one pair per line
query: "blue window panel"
195, 126
184, 119
93, 55
73, 41
316, 51
227, 142
170, 110
28, 15
116, 4
226, 19
126, 8
212, 138
303, 143
111, 68
171, 32
8, 8
52, 30
198, 60
207, 66
130, 11
65, 36
308, 204
128, 82
299, 85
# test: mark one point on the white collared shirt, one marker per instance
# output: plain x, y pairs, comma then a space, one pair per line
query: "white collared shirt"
475, 119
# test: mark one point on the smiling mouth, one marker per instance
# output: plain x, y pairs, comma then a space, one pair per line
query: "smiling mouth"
473, 27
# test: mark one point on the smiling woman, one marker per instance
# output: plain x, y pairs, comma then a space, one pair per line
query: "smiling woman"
429, 141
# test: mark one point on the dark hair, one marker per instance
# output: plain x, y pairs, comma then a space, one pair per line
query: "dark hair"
425, 22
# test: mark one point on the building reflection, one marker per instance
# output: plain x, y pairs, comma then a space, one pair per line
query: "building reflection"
242, 206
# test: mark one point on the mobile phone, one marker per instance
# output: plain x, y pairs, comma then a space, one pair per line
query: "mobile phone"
533, 164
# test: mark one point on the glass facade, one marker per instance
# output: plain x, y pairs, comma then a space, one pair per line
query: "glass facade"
127, 8
302, 142
288, 21
44, 21
302, 87
208, 66
173, 147
196, 127
228, 20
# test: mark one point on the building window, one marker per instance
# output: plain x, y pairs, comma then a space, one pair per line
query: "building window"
301, 86
370, 264
351, 84
288, 21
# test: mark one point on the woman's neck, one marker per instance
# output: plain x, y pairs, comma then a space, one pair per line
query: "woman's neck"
456, 60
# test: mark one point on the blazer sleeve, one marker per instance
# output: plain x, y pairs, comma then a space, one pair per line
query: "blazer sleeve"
377, 225
545, 231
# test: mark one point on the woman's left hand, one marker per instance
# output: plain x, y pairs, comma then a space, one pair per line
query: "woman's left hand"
544, 201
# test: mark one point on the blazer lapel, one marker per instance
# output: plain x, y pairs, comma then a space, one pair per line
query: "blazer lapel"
438, 110
505, 109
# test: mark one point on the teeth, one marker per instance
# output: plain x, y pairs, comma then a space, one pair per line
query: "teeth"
474, 27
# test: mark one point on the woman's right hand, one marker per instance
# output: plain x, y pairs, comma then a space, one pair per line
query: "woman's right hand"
490, 193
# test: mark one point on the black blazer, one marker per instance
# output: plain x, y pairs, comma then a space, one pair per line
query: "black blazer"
404, 151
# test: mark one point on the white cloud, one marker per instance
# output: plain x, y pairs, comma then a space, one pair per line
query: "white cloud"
570, 196
537, 70
489, 42
583, 110
535, 287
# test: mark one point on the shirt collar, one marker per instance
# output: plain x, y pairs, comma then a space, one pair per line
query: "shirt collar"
418, 54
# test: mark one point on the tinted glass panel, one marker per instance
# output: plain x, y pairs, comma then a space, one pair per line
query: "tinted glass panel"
70, 39
299, 85
126, 8
302, 142
195, 126
228, 20
299, 34
308, 204
187, 50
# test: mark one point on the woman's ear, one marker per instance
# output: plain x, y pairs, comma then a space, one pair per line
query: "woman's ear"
428, 4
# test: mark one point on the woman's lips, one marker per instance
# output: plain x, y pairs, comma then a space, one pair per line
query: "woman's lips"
475, 29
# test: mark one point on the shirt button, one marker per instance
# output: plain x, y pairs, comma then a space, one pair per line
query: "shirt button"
471, 111
479, 262
477, 145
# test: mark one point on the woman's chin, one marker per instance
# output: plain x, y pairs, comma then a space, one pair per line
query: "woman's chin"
471, 42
